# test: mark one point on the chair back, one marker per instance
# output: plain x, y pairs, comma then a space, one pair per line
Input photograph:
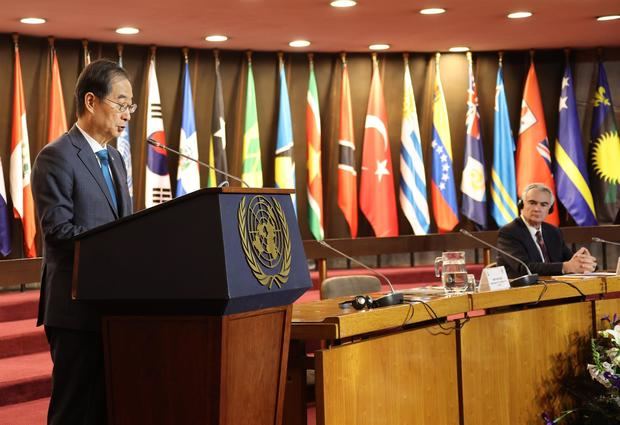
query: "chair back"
341, 286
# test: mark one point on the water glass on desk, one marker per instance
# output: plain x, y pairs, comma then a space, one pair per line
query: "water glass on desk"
453, 271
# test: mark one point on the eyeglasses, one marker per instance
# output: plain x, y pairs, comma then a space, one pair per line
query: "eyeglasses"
122, 107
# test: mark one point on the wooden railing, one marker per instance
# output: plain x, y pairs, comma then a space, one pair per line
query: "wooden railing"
19, 272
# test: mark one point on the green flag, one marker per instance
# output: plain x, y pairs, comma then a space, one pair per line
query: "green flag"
252, 172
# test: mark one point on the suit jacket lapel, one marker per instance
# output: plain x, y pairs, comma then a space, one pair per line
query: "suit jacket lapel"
87, 156
120, 177
530, 245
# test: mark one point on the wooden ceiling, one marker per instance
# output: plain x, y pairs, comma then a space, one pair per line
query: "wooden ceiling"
270, 24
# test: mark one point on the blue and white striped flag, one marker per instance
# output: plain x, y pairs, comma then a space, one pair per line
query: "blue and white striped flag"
5, 222
473, 183
188, 175
412, 194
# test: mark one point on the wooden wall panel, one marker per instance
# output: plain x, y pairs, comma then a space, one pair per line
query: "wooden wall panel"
404, 378
513, 362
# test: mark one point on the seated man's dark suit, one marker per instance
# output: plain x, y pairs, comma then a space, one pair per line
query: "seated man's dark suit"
516, 239
71, 197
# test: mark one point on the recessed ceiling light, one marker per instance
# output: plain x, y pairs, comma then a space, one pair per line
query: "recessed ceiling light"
379, 46
459, 49
216, 38
299, 43
32, 21
608, 18
343, 3
519, 15
127, 30
433, 11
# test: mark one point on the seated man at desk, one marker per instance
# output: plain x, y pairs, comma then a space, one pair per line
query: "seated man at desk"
538, 244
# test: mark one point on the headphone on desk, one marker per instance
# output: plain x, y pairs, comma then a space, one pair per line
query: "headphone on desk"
366, 302
537, 186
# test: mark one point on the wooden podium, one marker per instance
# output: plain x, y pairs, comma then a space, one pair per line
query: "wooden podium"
196, 302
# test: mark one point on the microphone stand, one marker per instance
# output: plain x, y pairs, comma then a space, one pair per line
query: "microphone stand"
393, 298
197, 161
525, 280
604, 241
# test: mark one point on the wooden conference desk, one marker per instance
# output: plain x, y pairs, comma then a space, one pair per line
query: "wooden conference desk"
395, 365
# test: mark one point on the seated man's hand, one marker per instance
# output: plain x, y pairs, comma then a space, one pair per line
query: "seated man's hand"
581, 262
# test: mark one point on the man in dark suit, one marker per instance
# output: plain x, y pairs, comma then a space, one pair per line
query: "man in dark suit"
538, 244
79, 182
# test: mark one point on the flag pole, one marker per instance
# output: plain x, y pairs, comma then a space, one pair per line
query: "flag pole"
501, 59
119, 51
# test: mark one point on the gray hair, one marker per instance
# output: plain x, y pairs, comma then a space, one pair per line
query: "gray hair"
538, 186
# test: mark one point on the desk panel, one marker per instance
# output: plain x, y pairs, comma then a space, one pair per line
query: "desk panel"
404, 378
509, 362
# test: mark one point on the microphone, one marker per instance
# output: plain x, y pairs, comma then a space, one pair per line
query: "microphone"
199, 162
595, 239
525, 280
393, 298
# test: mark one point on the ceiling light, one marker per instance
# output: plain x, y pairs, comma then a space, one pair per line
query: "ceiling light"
608, 18
343, 3
127, 30
299, 43
459, 49
519, 15
433, 11
32, 21
379, 46
216, 38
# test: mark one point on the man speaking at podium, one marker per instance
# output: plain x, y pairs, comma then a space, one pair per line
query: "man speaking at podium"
78, 183
538, 244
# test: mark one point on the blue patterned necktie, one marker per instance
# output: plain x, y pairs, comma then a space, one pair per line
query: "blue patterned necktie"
105, 169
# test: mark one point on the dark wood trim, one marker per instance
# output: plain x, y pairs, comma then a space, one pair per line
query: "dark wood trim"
17, 272
439, 242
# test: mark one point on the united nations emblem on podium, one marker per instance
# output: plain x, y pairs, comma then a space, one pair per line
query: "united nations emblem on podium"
265, 239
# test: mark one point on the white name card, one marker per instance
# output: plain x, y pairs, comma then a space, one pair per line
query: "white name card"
494, 279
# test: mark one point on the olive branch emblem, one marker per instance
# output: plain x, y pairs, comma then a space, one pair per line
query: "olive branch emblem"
266, 279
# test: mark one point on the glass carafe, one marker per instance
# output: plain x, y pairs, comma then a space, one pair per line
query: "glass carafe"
453, 271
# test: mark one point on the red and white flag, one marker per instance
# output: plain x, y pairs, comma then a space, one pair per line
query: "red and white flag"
533, 154
57, 124
377, 194
21, 193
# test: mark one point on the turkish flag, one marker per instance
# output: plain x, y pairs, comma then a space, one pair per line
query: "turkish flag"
377, 194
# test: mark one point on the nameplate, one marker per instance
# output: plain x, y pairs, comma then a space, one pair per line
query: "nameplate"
494, 279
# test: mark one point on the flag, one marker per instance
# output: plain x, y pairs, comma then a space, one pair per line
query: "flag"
86, 53
157, 180
533, 154
412, 193
347, 175
5, 222
377, 197
604, 152
21, 192
217, 147
570, 166
188, 175
503, 180
443, 192
252, 172
285, 161
313, 139
473, 182
123, 144
57, 124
